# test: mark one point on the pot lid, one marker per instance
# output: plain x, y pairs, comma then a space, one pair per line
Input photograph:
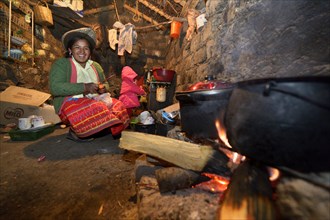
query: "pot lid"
210, 85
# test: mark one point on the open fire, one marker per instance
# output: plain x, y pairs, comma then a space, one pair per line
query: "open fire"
251, 190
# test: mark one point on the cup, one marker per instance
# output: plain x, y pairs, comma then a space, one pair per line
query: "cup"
24, 123
37, 121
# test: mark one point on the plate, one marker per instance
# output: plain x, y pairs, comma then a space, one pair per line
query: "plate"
39, 127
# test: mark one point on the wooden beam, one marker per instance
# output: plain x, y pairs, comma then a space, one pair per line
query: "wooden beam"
183, 154
181, 2
83, 23
100, 9
145, 17
155, 9
191, 4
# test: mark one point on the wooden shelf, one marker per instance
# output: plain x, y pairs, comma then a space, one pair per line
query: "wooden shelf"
14, 13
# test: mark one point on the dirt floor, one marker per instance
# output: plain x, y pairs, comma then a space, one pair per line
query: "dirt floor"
74, 181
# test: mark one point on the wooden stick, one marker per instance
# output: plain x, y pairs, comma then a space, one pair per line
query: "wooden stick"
118, 18
145, 17
9, 29
173, 178
149, 26
183, 154
192, 4
32, 44
100, 9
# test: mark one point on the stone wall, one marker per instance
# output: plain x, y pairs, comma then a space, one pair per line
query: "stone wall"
254, 39
242, 39
30, 73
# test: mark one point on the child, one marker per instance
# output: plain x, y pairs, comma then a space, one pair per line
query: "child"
130, 91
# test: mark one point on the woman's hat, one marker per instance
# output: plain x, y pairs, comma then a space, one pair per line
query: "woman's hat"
85, 32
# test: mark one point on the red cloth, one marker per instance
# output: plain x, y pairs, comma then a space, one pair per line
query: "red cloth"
87, 116
129, 90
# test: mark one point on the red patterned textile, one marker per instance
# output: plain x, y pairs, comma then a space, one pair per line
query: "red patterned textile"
87, 116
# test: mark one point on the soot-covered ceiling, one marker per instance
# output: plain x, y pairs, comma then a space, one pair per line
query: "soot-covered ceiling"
141, 13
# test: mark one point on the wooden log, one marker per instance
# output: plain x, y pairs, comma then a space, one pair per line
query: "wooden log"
144, 168
173, 178
249, 194
183, 154
98, 10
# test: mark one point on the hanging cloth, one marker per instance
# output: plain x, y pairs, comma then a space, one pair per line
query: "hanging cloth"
125, 41
112, 37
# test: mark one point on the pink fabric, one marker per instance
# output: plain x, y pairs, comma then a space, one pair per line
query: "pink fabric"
129, 90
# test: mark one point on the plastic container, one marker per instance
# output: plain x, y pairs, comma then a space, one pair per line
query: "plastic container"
14, 53
30, 134
175, 29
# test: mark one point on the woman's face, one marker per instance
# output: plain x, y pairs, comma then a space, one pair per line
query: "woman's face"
80, 51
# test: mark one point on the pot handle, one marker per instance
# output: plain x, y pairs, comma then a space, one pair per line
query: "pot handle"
271, 86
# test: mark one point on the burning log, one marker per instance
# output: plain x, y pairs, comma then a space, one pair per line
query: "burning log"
183, 154
173, 178
249, 194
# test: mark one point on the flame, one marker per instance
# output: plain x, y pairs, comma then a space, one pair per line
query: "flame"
222, 133
235, 158
217, 184
274, 174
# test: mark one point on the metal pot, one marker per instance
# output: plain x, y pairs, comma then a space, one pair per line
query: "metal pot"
201, 106
282, 122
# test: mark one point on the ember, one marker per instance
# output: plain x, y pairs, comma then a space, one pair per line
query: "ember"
217, 184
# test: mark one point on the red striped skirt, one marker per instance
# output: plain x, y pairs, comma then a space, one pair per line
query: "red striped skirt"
87, 116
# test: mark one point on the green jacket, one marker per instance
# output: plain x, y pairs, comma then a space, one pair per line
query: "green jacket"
60, 85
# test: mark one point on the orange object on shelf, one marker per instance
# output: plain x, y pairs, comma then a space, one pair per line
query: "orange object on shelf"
175, 29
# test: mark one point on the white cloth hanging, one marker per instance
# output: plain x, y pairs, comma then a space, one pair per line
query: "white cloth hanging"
112, 37
125, 41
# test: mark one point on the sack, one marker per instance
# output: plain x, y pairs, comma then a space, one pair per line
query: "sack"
43, 15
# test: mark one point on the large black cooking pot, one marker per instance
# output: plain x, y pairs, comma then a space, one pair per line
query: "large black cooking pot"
201, 105
282, 122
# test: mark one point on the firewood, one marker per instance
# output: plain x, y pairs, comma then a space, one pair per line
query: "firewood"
173, 178
249, 194
180, 153
143, 168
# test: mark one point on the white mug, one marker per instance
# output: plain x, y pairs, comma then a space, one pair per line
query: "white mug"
24, 123
37, 121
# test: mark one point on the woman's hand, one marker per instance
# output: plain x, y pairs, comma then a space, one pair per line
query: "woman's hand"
91, 88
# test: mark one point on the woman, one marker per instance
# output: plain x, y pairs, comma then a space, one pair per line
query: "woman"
76, 83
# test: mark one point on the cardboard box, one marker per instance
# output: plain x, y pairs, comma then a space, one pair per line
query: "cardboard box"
172, 108
17, 102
